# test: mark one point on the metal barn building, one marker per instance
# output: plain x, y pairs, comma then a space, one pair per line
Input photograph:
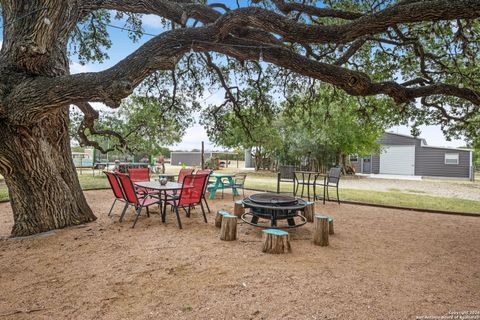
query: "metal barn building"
407, 155
188, 158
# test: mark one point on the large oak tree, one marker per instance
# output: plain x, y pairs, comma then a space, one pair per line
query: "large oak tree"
316, 41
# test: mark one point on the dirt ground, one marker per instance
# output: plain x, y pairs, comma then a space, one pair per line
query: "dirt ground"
381, 264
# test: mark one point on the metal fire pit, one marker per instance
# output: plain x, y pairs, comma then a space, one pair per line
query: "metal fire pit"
274, 207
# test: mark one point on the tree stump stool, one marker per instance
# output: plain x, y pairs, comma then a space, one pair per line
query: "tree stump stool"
219, 217
320, 236
228, 231
238, 210
309, 211
330, 226
276, 241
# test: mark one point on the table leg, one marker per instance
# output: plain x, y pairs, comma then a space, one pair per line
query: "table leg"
213, 189
164, 211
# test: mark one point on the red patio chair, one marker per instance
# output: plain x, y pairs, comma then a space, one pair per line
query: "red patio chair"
183, 173
181, 176
132, 199
191, 194
139, 175
117, 190
209, 172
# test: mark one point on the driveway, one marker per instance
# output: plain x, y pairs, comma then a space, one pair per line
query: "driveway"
449, 189
439, 188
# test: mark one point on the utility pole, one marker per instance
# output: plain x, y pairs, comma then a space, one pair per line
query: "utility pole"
203, 155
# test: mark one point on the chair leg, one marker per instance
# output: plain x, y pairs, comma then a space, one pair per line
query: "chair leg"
136, 217
178, 218
243, 191
113, 204
338, 197
203, 211
188, 211
123, 212
148, 212
324, 186
206, 203
328, 195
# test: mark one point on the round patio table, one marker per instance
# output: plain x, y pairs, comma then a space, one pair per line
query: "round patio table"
162, 191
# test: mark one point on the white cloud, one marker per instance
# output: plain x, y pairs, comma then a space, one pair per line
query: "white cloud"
76, 67
193, 139
152, 21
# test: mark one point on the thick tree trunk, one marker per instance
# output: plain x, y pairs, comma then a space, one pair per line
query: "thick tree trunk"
43, 185
35, 155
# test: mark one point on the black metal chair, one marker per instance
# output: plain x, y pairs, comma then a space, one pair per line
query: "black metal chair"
304, 178
239, 183
331, 180
285, 174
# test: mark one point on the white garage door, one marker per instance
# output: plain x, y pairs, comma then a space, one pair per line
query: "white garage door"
398, 160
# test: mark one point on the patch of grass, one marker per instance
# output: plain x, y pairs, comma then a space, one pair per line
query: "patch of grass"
391, 198
406, 190
414, 191
187, 308
87, 181
3, 193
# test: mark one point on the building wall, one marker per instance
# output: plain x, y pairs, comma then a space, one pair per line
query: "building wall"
396, 140
389, 139
375, 163
430, 161
188, 158
356, 165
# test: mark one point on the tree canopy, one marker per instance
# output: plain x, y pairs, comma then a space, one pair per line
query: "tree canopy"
421, 54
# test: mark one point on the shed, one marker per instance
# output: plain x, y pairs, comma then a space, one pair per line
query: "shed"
191, 158
408, 155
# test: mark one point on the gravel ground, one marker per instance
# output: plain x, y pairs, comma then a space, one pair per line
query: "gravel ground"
381, 264
461, 190
448, 189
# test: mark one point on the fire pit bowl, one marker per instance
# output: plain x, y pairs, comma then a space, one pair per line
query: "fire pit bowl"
274, 207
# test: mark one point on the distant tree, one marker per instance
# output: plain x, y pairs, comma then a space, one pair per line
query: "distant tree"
329, 125
248, 124
142, 125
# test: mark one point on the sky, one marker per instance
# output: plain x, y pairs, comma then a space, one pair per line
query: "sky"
122, 46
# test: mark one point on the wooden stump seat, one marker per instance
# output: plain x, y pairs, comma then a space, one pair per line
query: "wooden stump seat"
320, 236
239, 210
276, 241
330, 226
228, 231
219, 217
309, 211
